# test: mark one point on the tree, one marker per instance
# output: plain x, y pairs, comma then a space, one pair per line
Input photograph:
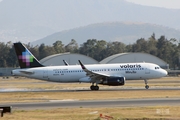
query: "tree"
140, 46
58, 47
115, 48
167, 51
45, 51
72, 47
99, 49
152, 43
87, 48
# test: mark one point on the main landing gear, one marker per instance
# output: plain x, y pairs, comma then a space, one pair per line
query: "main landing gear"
146, 82
96, 87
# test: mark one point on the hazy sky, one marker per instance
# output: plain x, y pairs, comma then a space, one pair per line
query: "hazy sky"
159, 3
175, 4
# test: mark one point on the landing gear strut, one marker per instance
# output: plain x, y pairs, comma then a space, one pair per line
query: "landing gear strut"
92, 87
146, 82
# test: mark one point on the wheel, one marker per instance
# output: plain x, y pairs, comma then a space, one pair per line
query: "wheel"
96, 87
92, 87
147, 86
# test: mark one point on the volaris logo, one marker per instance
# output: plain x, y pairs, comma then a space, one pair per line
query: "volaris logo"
26, 57
130, 66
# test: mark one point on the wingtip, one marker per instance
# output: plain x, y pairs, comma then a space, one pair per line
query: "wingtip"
80, 62
83, 67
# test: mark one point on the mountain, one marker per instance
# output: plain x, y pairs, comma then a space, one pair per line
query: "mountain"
30, 20
127, 33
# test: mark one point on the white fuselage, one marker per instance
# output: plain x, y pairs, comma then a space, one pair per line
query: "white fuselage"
74, 73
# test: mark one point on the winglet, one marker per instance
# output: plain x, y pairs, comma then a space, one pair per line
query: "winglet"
82, 65
65, 63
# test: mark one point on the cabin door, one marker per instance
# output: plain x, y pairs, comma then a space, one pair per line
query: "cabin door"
147, 71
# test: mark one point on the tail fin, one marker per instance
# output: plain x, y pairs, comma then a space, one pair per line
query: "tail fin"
25, 57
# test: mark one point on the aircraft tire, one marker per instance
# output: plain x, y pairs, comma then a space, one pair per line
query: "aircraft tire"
92, 87
147, 86
96, 87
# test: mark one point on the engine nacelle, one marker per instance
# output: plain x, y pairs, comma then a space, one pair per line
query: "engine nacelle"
114, 81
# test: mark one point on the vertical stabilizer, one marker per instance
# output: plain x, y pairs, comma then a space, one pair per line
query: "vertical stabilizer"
25, 58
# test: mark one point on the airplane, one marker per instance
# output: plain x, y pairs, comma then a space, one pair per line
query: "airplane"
105, 74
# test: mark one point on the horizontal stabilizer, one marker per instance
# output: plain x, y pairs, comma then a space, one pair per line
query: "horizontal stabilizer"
27, 72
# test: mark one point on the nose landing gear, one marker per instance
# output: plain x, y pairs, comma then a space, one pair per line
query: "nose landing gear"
146, 82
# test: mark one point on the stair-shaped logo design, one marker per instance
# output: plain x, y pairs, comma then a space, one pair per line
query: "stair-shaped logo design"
26, 57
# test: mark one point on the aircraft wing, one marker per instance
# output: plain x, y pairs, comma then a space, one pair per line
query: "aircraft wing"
93, 75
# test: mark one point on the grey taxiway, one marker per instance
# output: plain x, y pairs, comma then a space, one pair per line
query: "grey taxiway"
97, 103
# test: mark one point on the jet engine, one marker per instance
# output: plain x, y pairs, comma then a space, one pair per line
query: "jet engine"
114, 81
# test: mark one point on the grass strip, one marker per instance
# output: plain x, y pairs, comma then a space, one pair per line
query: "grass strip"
138, 113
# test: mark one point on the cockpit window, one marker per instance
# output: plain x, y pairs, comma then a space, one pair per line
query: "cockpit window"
157, 68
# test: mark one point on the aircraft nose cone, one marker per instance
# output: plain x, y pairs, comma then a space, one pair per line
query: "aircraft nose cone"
164, 72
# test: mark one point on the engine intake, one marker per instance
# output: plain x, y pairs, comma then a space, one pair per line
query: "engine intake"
114, 81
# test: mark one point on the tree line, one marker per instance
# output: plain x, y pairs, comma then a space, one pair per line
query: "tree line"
166, 49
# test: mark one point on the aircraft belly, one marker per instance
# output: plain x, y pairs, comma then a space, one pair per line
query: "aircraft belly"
69, 78
134, 75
